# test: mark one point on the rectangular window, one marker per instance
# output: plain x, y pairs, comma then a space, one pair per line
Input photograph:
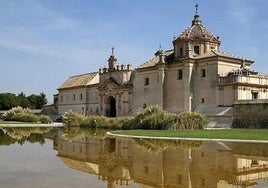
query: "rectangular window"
61, 98
203, 73
146, 81
203, 182
196, 50
255, 95
181, 51
81, 96
202, 100
179, 179
180, 74
74, 97
146, 169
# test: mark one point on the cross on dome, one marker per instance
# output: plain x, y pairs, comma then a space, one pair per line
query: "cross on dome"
196, 8
112, 50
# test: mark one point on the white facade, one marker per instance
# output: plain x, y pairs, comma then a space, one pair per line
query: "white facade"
193, 74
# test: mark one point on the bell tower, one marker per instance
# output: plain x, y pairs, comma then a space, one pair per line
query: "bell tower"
112, 61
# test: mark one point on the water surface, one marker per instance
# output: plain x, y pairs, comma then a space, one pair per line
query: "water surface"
77, 158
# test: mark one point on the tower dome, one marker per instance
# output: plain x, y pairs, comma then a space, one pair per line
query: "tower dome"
197, 31
196, 37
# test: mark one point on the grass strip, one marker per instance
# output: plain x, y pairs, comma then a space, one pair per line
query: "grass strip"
239, 134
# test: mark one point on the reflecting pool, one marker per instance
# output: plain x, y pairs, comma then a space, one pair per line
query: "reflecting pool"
44, 157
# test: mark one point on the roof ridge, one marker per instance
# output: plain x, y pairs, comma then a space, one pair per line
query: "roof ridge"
83, 74
232, 55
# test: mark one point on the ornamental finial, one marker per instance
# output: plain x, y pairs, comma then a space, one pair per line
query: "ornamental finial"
112, 50
196, 8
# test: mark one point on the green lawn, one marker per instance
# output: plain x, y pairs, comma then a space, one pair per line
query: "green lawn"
240, 134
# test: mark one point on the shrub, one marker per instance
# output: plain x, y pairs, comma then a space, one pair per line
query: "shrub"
44, 119
104, 122
94, 121
191, 120
155, 118
150, 118
23, 117
73, 118
8, 116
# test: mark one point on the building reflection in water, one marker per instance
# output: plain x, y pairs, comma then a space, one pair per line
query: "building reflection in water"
160, 163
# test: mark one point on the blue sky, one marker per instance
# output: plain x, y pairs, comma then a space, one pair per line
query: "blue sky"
43, 42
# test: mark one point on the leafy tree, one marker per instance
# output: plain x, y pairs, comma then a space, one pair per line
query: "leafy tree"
8, 101
22, 95
23, 101
33, 99
41, 100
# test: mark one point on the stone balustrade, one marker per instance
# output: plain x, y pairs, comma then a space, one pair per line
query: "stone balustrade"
122, 67
251, 79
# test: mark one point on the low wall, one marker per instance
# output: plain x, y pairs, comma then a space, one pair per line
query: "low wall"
250, 114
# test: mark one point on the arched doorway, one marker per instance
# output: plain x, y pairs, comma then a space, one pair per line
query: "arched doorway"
111, 107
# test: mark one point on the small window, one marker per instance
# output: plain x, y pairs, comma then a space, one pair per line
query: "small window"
255, 95
74, 97
81, 96
146, 169
146, 81
180, 74
203, 73
181, 51
202, 100
61, 98
254, 163
196, 50
179, 179
203, 182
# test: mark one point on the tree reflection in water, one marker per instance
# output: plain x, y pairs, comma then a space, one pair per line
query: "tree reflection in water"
10, 136
159, 163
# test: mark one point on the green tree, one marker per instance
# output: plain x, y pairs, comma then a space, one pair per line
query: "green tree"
33, 99
22, 95
8, 101
41, 100
37, 101
23, 101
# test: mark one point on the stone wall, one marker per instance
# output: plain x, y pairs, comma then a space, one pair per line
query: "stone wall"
250, 114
